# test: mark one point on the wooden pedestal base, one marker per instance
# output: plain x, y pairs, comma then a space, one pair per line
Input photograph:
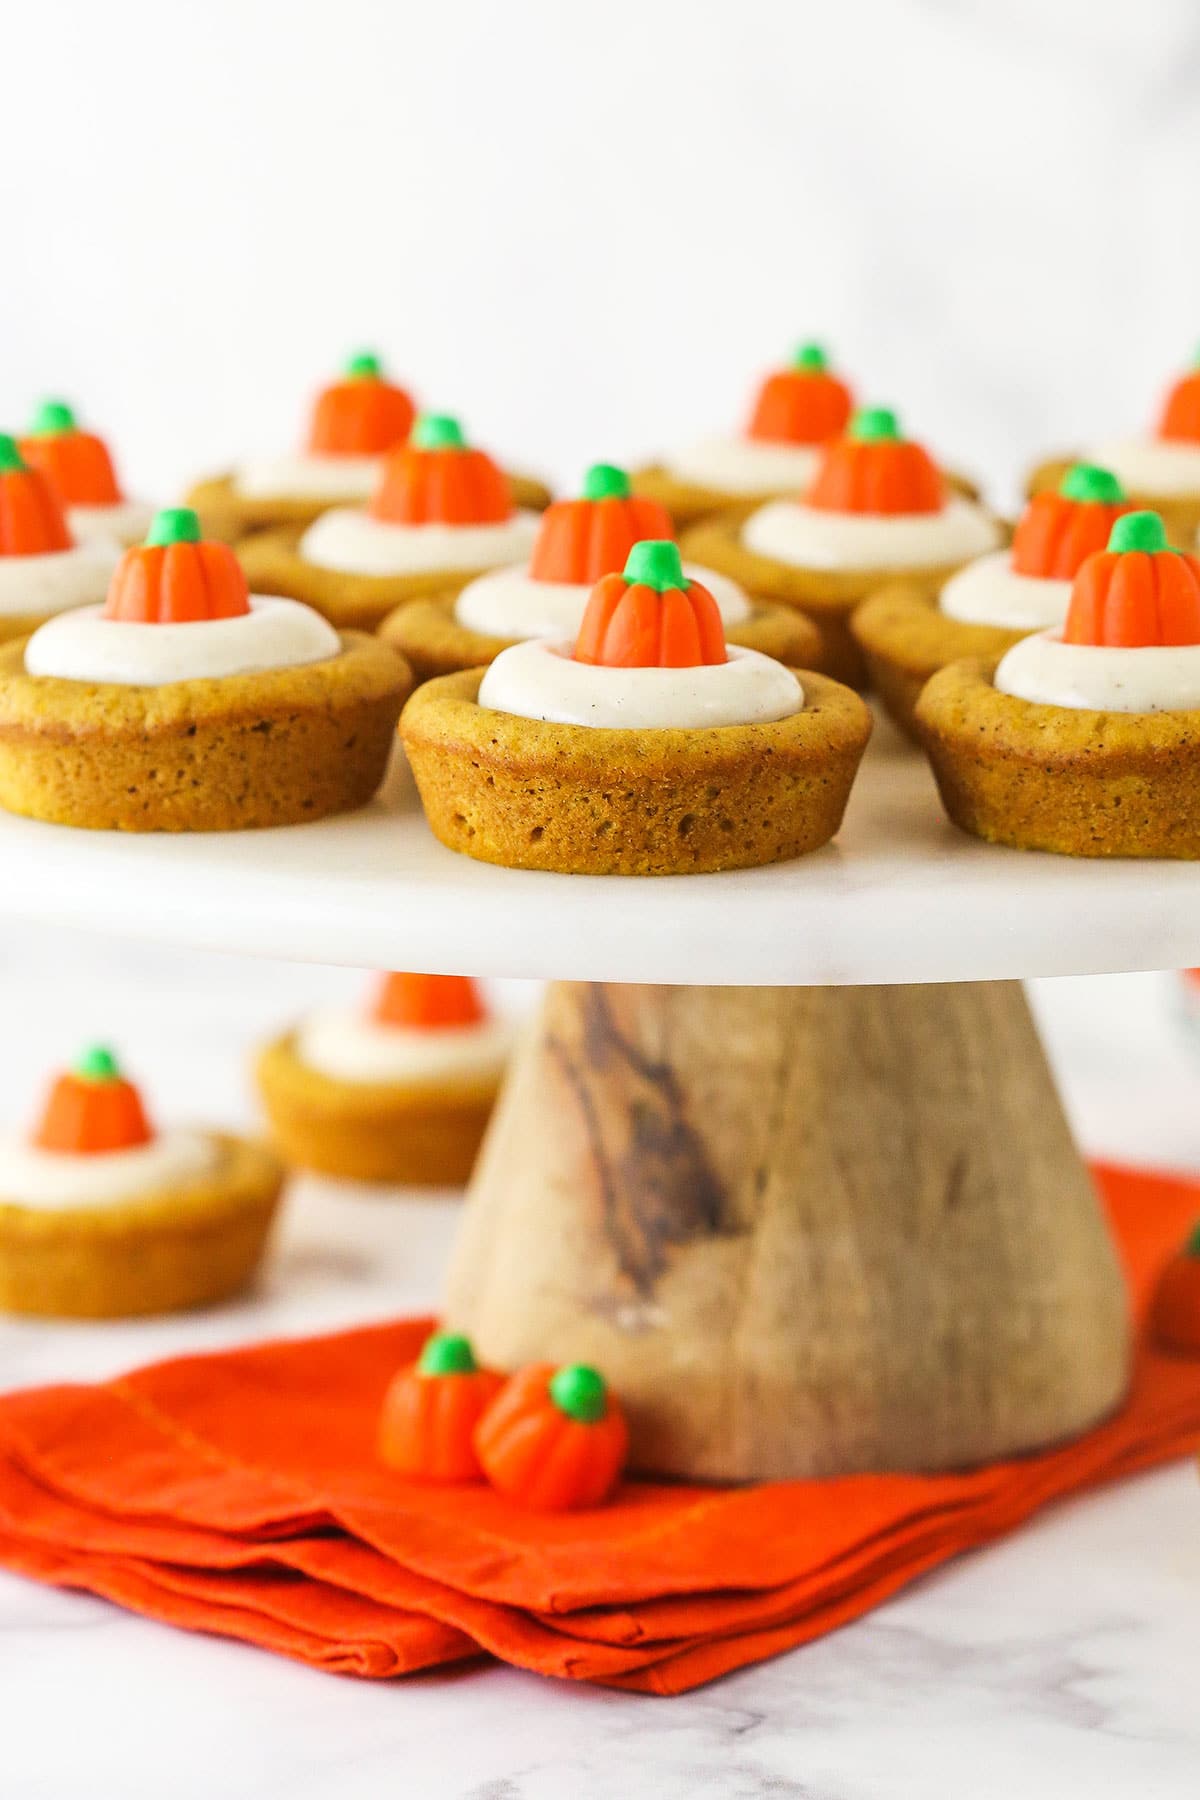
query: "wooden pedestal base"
804, 1231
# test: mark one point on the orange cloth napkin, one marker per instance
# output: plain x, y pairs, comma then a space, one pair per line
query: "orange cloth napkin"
239, 1494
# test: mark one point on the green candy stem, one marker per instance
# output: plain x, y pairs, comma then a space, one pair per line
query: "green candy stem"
1192, 1247
1139, 531
1088, 481
810, 359
875, 425
447, 1353
98, 1063
174, 525
52, 419
10, 456
655, 563
363, 366
438, 431
580, 1393
604, 481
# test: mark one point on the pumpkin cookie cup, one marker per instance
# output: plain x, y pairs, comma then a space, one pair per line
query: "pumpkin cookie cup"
1083, 780
187, 1237
871, 474
276, 745
907, 632
634, 799
334, 1107
43, 569
578, 542
434, 481
1159, 470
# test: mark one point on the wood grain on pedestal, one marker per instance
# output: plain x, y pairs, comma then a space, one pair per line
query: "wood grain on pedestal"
804, 1231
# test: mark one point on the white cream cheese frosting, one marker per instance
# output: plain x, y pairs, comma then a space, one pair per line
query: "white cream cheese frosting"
541, 680
989, 591
59, 579
745, 465
510, 603
351, 1046
1145, 465
84, 646
53, 1181
810, 537
352, 541
299, 477
1102, 677
124, 522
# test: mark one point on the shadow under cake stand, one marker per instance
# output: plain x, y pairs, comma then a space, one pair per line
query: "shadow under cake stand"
784, 1158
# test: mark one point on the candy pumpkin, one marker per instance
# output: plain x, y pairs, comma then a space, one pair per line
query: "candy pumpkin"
555, 1440
1180, 417
428, 1002
92, 1109
873, 469
432, 1409
802, 404
31, 518
651, 616
76, 463
361, 415
438, 479
1138, 592
581, 540
1058, 531
176, 576
1175, 1310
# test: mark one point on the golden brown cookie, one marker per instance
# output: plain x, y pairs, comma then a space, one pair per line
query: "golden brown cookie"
159, 1252
1065, 779
230, 516
905, 638
278, 747
583, 800
412, 1134
431, 639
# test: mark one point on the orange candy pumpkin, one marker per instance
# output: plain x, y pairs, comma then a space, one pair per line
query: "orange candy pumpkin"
555, 1440
875, 470
76, 463
31, 517
431, 1411
1058, 531
361, 415
1138, 592
437, 479
428, 1002
802, 404
177, 577
1175, 1311
1180, 416
581, 540
651, 616
92, 1109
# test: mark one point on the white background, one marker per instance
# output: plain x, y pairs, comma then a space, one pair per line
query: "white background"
587, 227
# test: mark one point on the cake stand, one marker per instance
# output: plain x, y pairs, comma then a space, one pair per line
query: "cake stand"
784, 1158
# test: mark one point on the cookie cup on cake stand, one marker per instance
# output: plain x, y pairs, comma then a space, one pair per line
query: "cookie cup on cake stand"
79, 467
355, 423
401, 1094
442, 514
1159, 469
44, 569
101, 1216
647, 749
186, 704
578, 542
1084, 741
878, 509
907, 632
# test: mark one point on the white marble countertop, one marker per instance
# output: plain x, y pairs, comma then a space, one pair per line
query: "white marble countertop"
1061, 1663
